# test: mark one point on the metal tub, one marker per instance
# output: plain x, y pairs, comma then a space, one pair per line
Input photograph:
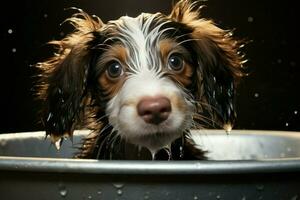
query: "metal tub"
243, 165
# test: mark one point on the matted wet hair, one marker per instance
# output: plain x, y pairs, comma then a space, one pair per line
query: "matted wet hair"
73, 98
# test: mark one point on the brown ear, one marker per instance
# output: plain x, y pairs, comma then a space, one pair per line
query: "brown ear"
219, 62
63, 84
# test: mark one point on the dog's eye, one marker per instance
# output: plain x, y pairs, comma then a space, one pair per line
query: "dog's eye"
114, 70
176, 62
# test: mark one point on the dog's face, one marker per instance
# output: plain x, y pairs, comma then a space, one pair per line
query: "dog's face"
144, 73
151, 77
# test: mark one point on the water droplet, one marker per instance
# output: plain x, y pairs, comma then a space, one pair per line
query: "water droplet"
218, 197
14, 50
250, 19
45, 15
90, 197
227, 128
286, 124
146, 196
243, 198
296, 112
118, 185
260, 187
10, 31
181, 153
62, 190
99, 192
49, 116
119, 192
153, 153
58, 143
168, 150
195, 198
256, 95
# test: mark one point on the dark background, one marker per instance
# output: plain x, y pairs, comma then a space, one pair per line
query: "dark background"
267, 99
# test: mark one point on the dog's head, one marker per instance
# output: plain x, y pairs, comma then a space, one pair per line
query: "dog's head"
151, 77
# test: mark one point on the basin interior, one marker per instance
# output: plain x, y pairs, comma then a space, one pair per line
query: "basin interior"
236, 145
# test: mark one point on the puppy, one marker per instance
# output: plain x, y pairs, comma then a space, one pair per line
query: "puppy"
140, 84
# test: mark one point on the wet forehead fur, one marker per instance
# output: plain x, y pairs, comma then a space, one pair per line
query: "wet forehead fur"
141, 37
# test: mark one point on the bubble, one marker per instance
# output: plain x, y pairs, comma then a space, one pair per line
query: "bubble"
10, 31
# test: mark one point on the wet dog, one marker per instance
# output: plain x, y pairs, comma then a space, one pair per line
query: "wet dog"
142, 82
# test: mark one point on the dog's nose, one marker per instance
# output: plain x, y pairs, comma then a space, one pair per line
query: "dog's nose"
154, 110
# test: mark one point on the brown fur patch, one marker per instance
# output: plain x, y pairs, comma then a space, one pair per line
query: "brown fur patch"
112, 86
168, 46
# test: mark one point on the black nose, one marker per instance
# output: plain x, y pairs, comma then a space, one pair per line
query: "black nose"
154, 110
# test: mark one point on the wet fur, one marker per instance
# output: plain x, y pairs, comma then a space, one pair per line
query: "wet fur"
72, 98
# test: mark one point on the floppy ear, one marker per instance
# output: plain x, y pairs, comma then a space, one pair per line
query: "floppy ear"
63, 83
219, 63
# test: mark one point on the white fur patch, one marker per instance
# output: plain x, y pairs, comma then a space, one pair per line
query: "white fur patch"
146, 80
